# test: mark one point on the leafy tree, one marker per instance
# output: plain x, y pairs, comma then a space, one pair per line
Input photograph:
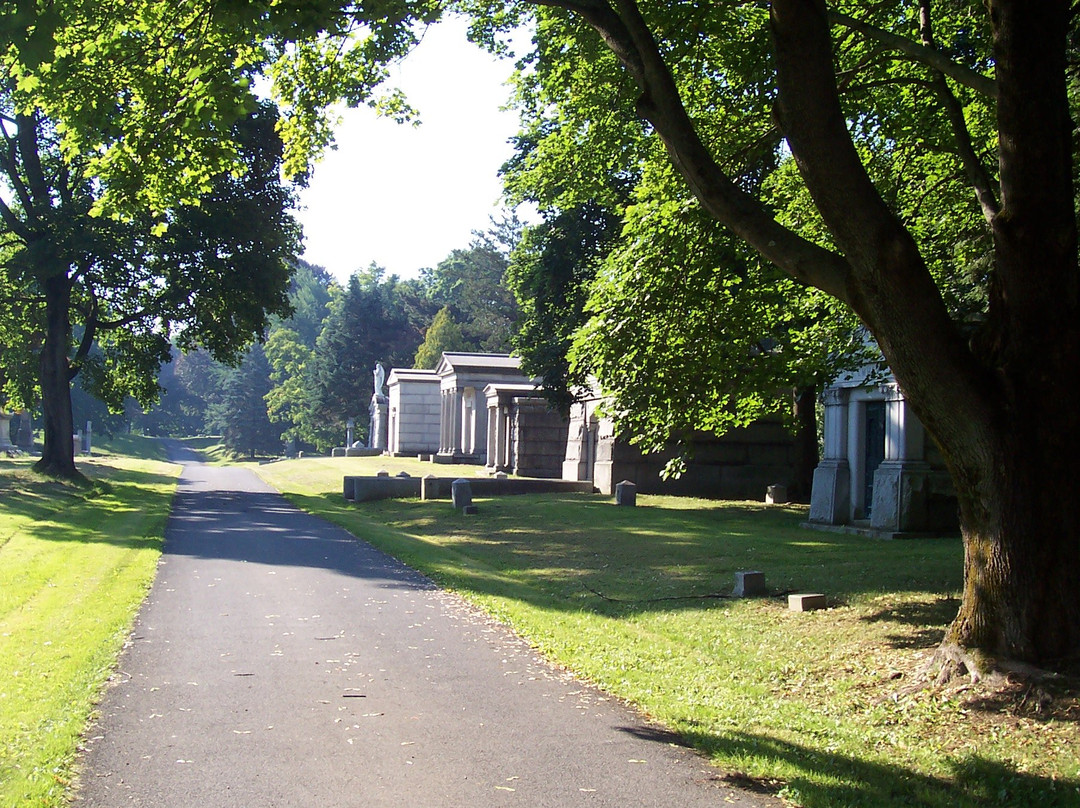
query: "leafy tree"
549, 273
210, 278
148, 92
290, 349
190, 386
291, 398
471, 283
866, 152
309, 297
444, 334
367, 324
241, 415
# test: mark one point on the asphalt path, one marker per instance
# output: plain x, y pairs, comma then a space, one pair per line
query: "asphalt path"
280, 661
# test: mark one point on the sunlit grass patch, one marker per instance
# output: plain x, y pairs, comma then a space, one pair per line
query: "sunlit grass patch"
75, 563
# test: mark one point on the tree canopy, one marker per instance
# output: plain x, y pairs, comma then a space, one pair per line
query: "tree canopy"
912, 162
105, 297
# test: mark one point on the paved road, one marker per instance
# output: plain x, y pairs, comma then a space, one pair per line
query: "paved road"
280, 662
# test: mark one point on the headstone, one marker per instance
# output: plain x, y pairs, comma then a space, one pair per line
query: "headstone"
776, 495
382, 473
86, 439
429, 487
500, 475
461, 493
626, 493
470, 510
403, 474
806, 603
749, 583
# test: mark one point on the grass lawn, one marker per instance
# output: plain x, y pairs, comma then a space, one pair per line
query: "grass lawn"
75, 563
815, 706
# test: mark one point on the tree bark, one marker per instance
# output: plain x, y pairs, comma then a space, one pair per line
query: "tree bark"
1021, 517
58, 454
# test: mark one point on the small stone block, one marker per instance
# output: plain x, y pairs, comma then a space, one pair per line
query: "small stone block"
776, 495
749, 583
382, 473
470, 510
429, 487
500, 475
626, 493
461, 493
403, 474
805, 603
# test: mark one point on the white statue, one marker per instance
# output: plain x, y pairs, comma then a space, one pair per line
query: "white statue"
380, 378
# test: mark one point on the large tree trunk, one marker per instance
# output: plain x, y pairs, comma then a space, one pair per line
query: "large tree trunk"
58, 455
1021, 527
1001, 410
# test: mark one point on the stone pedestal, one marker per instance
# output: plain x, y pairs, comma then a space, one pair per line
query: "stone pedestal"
900, 496
461, 493
5, 433
749, 583
626, 494
25, 437
830, 502
379, 425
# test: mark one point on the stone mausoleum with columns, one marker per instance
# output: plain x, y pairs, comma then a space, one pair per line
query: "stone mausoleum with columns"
880, 472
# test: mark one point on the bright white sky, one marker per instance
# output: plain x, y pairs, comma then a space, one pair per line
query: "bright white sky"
404, 197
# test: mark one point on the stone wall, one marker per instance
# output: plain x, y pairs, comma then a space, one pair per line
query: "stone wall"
539, 438
738, 465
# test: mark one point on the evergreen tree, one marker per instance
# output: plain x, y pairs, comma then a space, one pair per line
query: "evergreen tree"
444, 334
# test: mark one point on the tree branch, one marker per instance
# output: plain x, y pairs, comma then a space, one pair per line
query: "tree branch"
11, 169
976, 172
928, 55
13, 223
31, 160
629, 38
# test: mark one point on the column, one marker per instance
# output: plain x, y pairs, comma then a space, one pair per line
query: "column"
901, 481
830, 498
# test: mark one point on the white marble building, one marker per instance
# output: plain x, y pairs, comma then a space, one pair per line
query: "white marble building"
413, 412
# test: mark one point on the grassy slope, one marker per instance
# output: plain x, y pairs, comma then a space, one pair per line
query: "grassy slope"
810, 703
75, 563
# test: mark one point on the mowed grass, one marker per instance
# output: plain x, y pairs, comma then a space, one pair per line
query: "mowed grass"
817, 707
75, 563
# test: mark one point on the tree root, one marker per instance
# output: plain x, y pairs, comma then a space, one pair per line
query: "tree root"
995, 685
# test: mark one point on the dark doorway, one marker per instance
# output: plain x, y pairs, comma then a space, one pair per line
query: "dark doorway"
874, 451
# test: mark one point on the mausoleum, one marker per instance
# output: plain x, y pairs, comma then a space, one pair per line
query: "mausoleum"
740, 464
463, 378
414, 409
526, 436
879, 472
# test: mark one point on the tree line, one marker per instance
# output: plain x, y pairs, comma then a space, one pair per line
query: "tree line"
310, 371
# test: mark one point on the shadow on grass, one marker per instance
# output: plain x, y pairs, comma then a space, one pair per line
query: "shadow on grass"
826, 780
64, 511
576, 551
928, 618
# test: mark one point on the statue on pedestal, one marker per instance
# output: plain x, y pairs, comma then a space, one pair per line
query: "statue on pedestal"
377, 411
